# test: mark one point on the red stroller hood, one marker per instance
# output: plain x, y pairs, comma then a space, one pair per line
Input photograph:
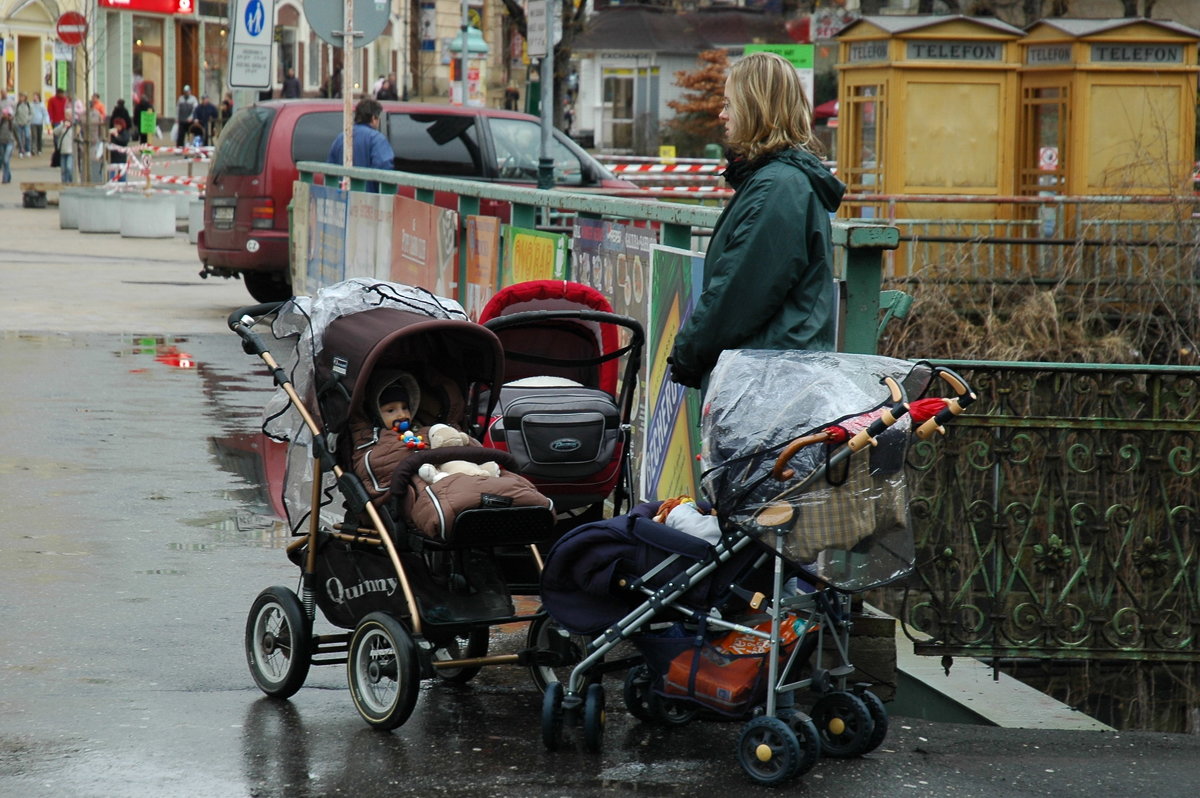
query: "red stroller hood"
536, 295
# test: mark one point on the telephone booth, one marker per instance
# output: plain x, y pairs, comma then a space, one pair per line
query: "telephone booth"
927, 106
1107, 108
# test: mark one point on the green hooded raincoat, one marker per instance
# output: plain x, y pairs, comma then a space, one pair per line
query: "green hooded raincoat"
768, 280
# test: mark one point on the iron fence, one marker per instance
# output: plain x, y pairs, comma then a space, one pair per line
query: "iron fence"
1058, 519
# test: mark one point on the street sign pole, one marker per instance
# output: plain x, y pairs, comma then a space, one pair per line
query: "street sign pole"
545, 162
348, 34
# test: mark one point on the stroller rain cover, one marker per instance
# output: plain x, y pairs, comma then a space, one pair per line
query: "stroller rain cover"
848, 524
299, 329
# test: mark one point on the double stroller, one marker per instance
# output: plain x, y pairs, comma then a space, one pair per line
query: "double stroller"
417, 560
736, 611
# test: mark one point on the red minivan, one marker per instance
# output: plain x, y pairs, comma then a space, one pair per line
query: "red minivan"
250, 180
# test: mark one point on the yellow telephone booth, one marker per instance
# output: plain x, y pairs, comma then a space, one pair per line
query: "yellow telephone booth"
1107, 108
927, 106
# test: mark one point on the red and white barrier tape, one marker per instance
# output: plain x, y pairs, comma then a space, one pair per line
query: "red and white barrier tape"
665, 168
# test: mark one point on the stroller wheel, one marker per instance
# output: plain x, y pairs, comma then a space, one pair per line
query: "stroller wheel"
593, 717
806, 735
473, 644
844, 724
278, 642
879, 715
552, 716
671, 711
769, 752
637, 692
382, 671
549, 639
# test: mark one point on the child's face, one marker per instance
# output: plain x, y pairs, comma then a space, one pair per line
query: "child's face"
392, 412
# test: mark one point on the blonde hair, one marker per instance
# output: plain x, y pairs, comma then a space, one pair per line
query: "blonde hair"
768, 107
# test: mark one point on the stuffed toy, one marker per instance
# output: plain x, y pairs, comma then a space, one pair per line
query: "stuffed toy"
683, 514
440, 435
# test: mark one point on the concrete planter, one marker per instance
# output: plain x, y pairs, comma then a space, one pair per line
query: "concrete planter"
147, 217
68, 206
195, 220
100, 212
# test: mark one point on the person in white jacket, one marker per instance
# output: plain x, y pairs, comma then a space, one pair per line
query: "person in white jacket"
68, 139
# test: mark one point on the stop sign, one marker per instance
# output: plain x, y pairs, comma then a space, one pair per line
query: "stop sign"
71, 28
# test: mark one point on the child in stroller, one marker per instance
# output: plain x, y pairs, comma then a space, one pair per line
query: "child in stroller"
805, 492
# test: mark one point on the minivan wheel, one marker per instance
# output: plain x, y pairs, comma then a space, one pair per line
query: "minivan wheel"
267, 287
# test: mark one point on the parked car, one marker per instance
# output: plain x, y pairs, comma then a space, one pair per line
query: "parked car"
250, 180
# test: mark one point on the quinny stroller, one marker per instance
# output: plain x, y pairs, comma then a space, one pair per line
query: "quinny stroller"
564, 410
405, 560
736, 613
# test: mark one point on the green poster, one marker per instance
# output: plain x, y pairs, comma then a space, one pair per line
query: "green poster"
532, 255
149, 123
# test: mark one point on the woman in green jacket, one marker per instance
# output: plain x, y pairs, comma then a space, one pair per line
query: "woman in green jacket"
768, 279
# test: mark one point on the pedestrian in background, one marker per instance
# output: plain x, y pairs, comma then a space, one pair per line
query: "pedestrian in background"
206, 116
68, 140
371, 148
41, 118
119, 111
185, 108
387, 90
23, 119
291, 86
226, 111
56, 107
8, 141
144, 105
118, 144
768, 275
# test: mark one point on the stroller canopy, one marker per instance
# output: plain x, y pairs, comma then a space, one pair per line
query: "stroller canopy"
450, 353
575, 342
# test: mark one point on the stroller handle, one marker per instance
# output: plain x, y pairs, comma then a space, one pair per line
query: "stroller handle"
528, 316
862, 439
242, 321
963, 397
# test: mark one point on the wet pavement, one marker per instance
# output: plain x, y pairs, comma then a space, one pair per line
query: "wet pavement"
134, 539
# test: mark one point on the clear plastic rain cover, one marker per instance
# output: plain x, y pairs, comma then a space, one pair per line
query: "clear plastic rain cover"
298, 329
842, 520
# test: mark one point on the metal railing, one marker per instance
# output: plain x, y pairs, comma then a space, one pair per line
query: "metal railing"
858, 246
1060, 517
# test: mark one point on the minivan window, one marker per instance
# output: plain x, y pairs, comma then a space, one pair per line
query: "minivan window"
518, 144
243, 143
314, 134
436, 144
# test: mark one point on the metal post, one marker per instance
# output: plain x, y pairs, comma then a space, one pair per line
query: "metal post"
348, 34
545, 162
462, 52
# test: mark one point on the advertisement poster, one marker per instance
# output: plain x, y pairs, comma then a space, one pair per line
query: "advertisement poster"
614, 259
327, 220
424, 246
369, 236
672, 439
483, 263
298, 239
533, 255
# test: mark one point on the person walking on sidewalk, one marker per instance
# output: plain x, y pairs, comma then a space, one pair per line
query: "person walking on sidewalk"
56, 107
41, 118
23, 118
68, 140
8, 140
185, 108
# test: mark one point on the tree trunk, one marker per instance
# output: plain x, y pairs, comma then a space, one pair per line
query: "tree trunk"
1148, 8
1130, 8
870, 8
